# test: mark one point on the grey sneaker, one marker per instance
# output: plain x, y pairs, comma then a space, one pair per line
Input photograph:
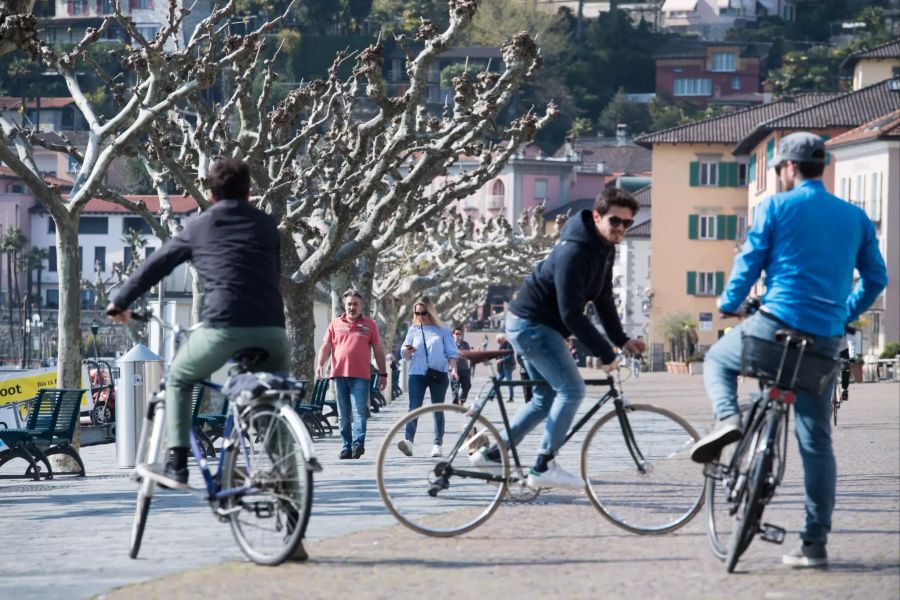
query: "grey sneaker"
406, 447
808, 555
727, 431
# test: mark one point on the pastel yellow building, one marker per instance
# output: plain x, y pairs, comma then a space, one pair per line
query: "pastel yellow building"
875, 64
700, 214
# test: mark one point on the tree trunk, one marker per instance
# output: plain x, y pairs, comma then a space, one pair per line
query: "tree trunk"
366, 279
9, 304
579, 23
341, 281
300, 301
68, 374
196, 296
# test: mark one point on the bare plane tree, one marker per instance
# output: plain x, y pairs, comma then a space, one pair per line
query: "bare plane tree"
455, 262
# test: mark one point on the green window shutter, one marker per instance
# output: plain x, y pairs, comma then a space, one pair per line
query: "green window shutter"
723, 174
720, 227
692, 283
693, 227
732, 174
770, 150
827, 154
720, 282
731, 227
695, 173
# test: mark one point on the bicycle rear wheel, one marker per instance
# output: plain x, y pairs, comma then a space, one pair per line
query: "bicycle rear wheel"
835, 403
639, 472
149, 449
752, 498
269, 517
423, 492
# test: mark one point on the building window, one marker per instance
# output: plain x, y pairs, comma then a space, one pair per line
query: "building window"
77, 7
874, 204
148, 32
706, 283
540, 189
692, 86
52, 298
87, 298
724, 62
93, 225
497, 196
741, 229
126, 259
137, 224
72, 166
100, 258
16, 188
895, 72
788, 12
709, 173
742, 174
51, 259
735, 83
707, 227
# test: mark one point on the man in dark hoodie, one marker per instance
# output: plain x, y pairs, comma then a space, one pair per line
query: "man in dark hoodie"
548, 308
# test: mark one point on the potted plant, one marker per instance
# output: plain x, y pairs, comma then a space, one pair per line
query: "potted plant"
681, 332
695, 363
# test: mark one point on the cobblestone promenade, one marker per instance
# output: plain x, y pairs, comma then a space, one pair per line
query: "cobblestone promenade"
68, 538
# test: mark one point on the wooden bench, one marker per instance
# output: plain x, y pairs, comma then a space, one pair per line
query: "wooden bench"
48, 431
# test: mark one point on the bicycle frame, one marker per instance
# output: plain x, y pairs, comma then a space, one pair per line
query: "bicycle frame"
613, 393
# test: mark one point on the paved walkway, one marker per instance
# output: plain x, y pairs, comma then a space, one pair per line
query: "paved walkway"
68, 539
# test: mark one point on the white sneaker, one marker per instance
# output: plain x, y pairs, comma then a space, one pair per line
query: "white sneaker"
554, 476
480, 460
406, 447
436, 450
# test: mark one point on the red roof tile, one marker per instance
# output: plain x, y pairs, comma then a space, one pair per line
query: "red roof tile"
180, 204
885, 126
6, 172
14, 103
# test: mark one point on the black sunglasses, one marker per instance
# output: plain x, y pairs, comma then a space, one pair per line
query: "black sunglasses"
778, 169
420, 314
616, 222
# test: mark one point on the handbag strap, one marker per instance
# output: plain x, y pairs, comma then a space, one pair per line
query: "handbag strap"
424, 344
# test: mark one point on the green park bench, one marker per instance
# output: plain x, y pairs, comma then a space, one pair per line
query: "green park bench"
48, 431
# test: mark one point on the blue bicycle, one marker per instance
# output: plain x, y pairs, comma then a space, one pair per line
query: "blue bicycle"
263, 485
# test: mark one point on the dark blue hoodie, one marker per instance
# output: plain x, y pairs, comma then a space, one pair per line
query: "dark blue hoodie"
577, 271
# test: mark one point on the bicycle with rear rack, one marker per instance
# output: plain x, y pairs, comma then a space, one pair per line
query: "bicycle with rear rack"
743, 480
263, 485
634, 459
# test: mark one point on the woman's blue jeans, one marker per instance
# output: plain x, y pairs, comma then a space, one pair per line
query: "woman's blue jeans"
812, 417
416, 388
544, 352
352, 403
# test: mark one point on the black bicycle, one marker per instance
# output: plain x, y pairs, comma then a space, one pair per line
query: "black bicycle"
842, 392
634, 459
743, 480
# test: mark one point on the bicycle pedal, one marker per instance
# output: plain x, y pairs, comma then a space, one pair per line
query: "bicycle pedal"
772, 533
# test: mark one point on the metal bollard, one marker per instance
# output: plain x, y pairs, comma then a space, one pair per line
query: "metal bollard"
140, 373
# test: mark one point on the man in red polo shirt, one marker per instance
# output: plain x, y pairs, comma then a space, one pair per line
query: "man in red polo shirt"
349, 341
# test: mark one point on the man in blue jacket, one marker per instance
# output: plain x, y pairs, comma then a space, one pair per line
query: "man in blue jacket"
548, 308
808, 242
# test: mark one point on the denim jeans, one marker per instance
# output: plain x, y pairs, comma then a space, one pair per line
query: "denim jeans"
416, 388
352, 403
506, 372
544, 352
812, 418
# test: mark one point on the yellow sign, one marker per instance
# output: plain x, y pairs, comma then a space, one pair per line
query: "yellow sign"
22, 385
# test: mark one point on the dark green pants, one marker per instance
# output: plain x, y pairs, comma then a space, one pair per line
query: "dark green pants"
204, 352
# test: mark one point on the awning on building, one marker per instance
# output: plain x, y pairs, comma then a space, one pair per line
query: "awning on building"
679, 5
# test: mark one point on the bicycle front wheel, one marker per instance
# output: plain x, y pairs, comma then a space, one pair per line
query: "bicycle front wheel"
639, 472
835, 403
441, 496
267, 484
718, 504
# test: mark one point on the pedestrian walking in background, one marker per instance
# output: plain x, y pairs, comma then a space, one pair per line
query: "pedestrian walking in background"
432, 356
506, 364
464, 384
349, 342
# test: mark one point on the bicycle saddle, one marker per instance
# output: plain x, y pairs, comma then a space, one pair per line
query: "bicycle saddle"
795, 336
250, 356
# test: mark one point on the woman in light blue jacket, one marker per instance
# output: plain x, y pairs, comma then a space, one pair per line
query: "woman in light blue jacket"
432, 354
